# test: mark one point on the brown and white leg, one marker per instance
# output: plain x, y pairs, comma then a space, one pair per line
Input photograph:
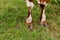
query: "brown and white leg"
43, 4
30, 5
43, 16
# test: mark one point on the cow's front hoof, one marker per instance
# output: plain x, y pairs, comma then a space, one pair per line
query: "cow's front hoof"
44, 23
30, 27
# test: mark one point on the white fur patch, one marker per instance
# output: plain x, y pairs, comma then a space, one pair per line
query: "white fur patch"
38, 1
29, 4
43, 16
45, 3
29, 19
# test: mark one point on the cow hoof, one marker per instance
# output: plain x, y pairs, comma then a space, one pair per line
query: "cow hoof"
30, 27
44, 23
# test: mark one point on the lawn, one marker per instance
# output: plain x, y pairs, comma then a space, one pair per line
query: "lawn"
12, 21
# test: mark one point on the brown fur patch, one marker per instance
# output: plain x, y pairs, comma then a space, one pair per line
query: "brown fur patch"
44, 1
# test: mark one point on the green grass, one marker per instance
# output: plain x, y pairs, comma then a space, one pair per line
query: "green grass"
12, 21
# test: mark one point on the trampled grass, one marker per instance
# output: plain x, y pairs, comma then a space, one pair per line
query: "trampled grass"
12, 21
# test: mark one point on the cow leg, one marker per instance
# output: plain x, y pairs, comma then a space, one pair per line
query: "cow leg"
43, 4
43, 16
29, 16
